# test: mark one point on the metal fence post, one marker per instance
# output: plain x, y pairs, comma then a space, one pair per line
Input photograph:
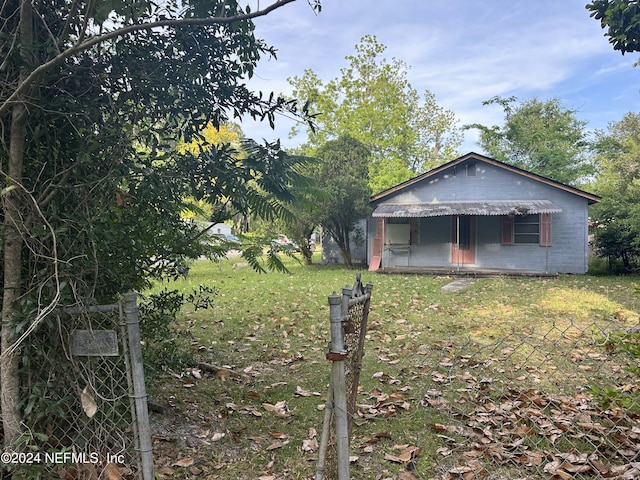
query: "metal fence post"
337, 354
348, 316
139, 390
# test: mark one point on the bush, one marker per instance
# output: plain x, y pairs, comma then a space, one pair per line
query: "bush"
157, 315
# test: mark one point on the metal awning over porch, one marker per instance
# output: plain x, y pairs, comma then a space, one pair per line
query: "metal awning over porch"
480, 208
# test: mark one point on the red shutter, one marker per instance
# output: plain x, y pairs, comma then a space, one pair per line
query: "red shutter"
545, 229
507, 230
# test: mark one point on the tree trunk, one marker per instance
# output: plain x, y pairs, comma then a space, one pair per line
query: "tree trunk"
347, 249
9, 381
14, 211
307, 254
344, 243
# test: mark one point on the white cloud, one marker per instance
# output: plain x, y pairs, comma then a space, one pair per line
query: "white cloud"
464, 51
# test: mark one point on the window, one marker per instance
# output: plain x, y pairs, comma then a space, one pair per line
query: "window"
527, 230
403, 230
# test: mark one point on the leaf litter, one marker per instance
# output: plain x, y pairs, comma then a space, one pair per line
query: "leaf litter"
516, 428
525, 429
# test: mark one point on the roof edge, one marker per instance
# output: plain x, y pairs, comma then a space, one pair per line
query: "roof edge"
590, 197
477, 208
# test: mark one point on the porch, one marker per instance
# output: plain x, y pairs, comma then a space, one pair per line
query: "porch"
463, 271
463, 245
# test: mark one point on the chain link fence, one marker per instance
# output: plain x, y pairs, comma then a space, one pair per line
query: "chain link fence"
85, 405
539, 402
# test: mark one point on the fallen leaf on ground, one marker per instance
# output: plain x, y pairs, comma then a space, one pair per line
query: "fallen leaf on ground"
276, 445
89, 405
184, 462
280, 408
309, 445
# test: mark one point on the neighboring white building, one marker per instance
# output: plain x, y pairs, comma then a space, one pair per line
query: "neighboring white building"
220, 229
331, 253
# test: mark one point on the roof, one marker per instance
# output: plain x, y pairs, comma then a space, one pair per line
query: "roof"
387, 194
489, 207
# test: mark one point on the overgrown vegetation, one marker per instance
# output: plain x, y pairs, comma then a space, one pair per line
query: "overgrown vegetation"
158, 313
373, 102
95, 188
437, 365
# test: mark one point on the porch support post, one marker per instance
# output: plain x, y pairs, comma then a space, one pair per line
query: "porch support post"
383, 236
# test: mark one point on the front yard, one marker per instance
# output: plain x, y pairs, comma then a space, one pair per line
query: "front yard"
506, 378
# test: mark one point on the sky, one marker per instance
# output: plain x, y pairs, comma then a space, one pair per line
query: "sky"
463, 51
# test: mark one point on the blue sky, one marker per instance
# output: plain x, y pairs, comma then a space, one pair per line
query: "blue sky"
464, 51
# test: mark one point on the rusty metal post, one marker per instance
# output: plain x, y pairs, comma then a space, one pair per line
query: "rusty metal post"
337, 314
337, 390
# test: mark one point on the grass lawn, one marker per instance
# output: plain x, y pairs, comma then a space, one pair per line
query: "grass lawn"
439, 368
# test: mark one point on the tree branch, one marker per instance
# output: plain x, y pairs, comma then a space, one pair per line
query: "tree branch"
119, 32
67, 24
43, 312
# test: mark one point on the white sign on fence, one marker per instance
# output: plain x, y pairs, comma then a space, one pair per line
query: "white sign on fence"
94, 343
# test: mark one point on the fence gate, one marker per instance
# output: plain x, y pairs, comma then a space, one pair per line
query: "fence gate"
86, 408
348, 314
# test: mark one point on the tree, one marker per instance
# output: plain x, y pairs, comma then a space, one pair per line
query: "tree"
209, 137
373, 102
93, 99
617, 217
262, 181
539, 136
301, 219
343, 179
438, 136
621, 18
304, 219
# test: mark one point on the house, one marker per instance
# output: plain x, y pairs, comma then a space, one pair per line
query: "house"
476, 214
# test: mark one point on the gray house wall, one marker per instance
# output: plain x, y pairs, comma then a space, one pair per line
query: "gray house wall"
567, 253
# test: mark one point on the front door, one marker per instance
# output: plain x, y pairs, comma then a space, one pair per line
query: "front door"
463, 244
